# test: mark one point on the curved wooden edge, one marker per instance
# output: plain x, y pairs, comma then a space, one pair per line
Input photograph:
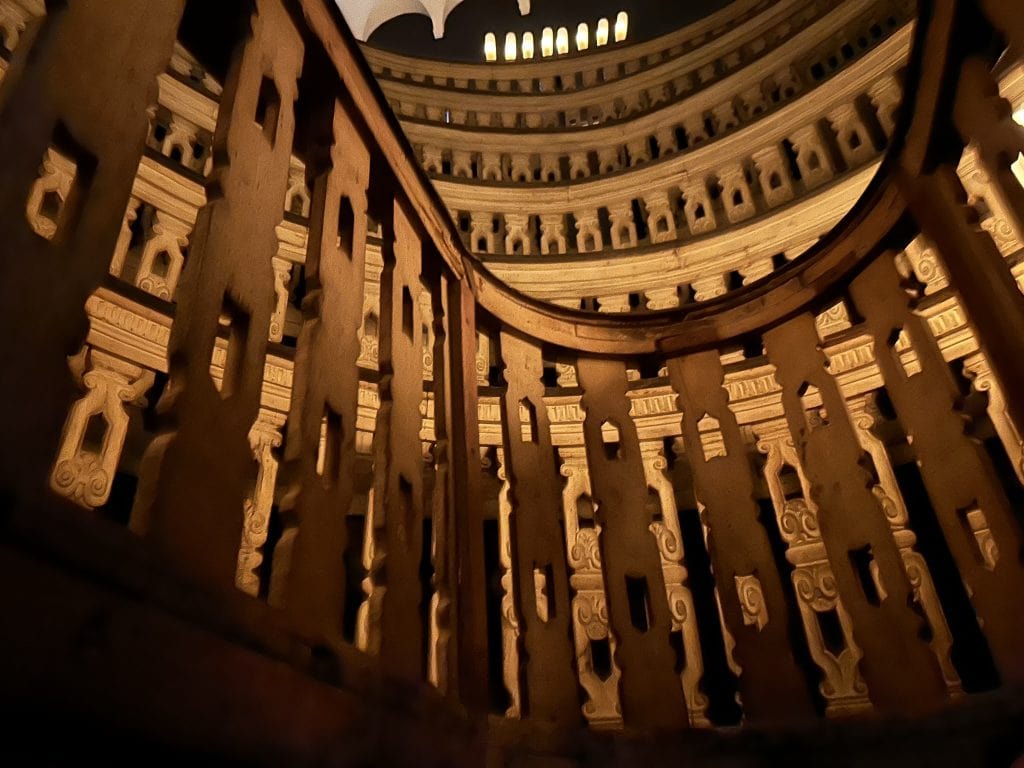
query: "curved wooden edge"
802, 285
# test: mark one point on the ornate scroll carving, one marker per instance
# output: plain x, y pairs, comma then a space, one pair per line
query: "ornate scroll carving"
887, 491
771, 686
264, 438
755, 611
48, 199
900, 669
163, 256
983, 380
965, 492
96, 426
589, 607
669, 536
638, 612
98, 129
837, 656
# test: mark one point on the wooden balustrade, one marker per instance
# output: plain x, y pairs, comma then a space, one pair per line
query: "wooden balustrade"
805, 577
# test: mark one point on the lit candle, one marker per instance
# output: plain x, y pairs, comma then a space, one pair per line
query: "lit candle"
601, 33
490, 47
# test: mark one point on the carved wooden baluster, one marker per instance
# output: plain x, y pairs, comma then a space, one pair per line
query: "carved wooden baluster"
594, 644
466, 529
771, 685
264, 439
975, 515
887, 490
309, 572
669, 536
985, 120
901, 672
455, 507
983, 280
441, 649
976, 367
826, 622
511, 651
539, 568
638, 610
96, 427
193, 479
398, 457
68, 157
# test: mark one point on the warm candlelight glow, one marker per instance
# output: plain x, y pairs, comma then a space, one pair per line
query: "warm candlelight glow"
621, 26
547, 42
562, 40
528, 45
582, 37
558, 42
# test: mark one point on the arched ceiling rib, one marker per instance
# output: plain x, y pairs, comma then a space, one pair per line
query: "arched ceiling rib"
364, 16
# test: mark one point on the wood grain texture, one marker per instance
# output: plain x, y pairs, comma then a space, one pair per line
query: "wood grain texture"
901, 672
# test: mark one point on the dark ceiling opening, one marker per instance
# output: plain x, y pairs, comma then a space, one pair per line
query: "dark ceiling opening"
469, 22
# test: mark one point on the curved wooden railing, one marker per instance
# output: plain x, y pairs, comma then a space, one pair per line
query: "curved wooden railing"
833, 581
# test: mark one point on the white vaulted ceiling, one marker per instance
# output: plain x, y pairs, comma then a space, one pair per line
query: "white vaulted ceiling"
364, 16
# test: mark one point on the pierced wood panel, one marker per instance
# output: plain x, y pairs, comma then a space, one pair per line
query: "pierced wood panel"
976, 267
539, 567
972, 509
309, 572
901, 672
397, 507
749, 586
638, 610
194, 478
72, 130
